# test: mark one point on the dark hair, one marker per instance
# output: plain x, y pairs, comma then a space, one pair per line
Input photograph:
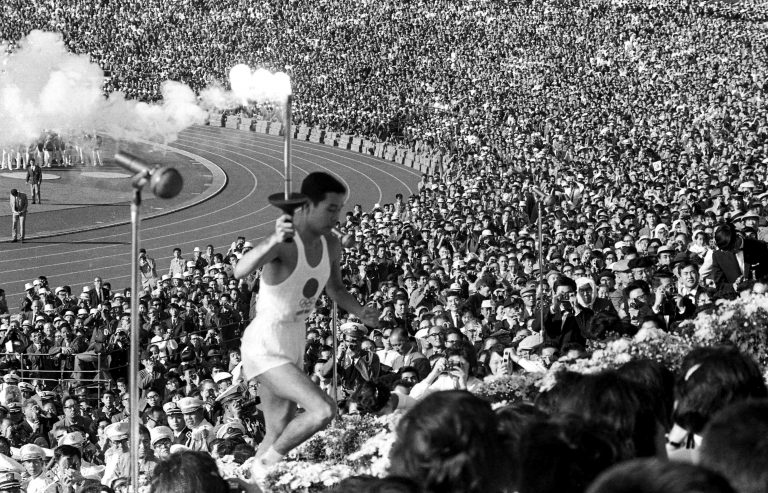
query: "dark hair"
735, 444
658, 382
371, 484
656, 476
94, 486
222, 446
242, 452
66, 451
370, 397
513, 422
725, 236
187, 471
639, 284
564, 455
5, 446
448, 443
317, 184
711, 378
564, 281
612, 403
465, 351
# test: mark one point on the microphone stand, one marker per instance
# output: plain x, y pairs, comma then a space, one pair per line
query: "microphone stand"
138, 182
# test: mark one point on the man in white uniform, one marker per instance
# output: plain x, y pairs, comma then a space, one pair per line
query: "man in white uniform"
293, 276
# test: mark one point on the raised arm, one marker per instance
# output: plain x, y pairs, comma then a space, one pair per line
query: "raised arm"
267, 250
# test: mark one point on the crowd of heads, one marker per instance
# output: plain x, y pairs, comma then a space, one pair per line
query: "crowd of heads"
631, 134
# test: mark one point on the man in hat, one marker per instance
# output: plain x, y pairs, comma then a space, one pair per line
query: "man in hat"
353, 365
161, 439
118, 456
294, 273
19, 206
181, 433
10, 475
194, 418
32, 458
223, 379
31, 427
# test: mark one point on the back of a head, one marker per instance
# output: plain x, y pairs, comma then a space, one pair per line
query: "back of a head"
449, 443
725, 236
657, 476
735, 444
187, 471
514, 422
611, 402
370, 484
564, 456
370, 397
710, 379
318, 183
93, 486
658, 381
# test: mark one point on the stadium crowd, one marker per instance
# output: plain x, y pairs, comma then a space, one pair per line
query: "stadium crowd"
636, 133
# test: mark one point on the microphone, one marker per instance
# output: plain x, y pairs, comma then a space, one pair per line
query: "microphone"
347, 240
165, 183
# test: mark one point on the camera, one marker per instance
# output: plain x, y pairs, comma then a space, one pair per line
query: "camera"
450, 366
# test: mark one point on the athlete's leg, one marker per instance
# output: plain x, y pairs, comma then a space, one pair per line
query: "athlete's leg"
289, 383
278, 412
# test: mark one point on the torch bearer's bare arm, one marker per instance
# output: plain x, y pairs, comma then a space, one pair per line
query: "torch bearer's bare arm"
272, 248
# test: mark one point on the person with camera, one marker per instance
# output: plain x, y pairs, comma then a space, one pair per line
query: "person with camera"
641, 303
561, 325
353, 364
451, 372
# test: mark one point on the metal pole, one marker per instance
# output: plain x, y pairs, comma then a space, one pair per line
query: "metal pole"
334, 331
541, 272
287, 145
135, 337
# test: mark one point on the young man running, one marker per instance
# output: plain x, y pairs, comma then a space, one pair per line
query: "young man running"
294, 274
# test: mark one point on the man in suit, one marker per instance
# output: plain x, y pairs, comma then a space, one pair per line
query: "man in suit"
99, 294
35, 179
19, 206
737, 259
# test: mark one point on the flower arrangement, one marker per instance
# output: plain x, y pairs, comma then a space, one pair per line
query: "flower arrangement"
350, 446
508, 389
342, 437
741, 322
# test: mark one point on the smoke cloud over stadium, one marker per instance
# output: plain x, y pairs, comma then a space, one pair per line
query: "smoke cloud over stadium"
248, 85
45, 87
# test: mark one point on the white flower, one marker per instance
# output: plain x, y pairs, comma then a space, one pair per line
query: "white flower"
618, 346
623, 358
649, 334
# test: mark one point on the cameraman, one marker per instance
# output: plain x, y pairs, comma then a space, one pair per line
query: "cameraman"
562, 324
148, 270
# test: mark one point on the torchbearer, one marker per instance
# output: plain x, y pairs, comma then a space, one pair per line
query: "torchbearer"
294, 274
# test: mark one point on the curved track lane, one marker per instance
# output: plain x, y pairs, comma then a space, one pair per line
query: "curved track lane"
254, 167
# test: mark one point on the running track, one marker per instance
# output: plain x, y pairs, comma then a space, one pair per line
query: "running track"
254, 168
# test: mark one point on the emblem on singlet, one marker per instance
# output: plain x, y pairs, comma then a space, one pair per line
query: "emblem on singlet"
307, 303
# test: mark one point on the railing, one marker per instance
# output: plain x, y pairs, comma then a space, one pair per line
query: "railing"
65, 377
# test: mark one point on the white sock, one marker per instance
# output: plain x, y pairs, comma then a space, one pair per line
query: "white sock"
271, 457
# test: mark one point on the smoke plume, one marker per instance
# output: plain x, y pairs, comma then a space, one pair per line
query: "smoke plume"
44, 87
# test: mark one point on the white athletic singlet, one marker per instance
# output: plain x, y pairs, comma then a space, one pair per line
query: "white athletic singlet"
277, 334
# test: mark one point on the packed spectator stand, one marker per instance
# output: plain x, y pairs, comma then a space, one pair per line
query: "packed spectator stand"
631, 130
